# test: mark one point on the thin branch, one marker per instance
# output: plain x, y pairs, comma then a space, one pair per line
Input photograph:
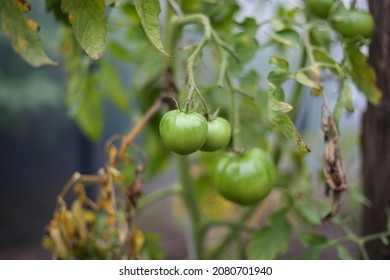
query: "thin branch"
129, 138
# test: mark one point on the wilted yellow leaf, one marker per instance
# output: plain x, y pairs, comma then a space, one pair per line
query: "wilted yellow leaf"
78, 214
61, 248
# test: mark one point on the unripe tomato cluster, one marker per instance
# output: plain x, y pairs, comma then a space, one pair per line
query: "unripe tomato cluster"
348, 23
186, 133
243, 178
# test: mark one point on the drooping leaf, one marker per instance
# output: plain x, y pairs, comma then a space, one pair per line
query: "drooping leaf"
363, 75
23, 32
276, 105
287, 37
284, 124
271, 240
277, 108
149, 61
148, 11
343, 101
344, 253
89, 24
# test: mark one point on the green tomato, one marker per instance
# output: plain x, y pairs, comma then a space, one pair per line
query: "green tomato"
183, 133
353, 23
218, 135
320, 8
245, 179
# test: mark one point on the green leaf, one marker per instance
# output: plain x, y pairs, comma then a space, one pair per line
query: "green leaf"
284, 124
321, 56
153, 249
343, 101
281, 72
287, 37
89, 25
112, 86
314, 253
344, 253
119, 51
249, 26
277, 109
307, 213
23, 32
279, 63
320, 36
128, 170
278, 77
271, 240
245, 47
250, 82
363, 75
90, 114
276, 105
302, 78
312, 239
148, 11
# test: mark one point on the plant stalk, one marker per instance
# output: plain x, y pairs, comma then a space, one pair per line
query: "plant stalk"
191, 201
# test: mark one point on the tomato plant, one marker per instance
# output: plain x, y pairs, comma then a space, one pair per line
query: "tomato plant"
245, 178
214, 65
218, 135
184, 133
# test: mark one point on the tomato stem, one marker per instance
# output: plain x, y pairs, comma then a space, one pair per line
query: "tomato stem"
190, 199
297, 90
151, 198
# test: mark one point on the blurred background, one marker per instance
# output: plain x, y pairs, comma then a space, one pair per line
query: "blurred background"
41, 146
